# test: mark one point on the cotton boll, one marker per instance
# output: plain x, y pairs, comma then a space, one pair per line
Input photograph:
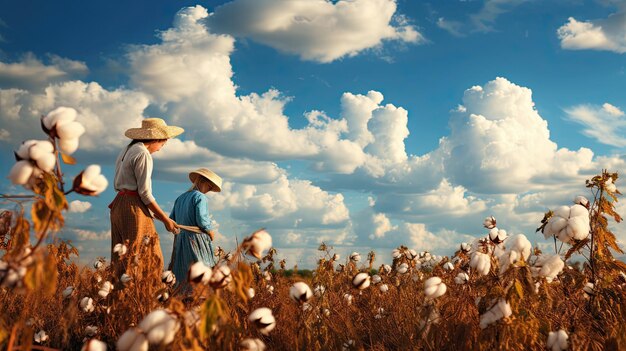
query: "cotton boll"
520, 243
562, 235
558, 341
24, 149
199, 273
489, 222
263, 319
562, 211
448, 266
361, 281
578, 211
70, 130
132, 341
94, 345
355, 257
396, 253
86, 304
46, 162
383, 288
257, 242
403, 268
163, 333
21, 172
578, 228
434, 288
221, 277
581, 200
68, 146
252, 345
554, 226
39, 149
153, 319
461, 278
59, 115
497, 235
300, 292
105, 289
376, 279
481, 262
551, 266
92, 181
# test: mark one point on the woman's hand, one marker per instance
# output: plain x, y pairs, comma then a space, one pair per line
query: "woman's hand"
171, 226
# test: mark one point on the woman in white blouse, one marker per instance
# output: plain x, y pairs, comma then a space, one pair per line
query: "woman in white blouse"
131, 221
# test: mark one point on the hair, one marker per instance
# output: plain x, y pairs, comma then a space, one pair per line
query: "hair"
145, 141
200, 180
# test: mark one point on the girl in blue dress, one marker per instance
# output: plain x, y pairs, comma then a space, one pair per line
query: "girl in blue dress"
192, 209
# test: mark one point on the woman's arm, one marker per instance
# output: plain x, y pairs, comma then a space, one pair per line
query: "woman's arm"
170, 225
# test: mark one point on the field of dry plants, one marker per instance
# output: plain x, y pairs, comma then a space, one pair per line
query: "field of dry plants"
496, 293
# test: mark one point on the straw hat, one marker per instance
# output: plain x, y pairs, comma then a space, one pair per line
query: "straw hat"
153, 128
208, 175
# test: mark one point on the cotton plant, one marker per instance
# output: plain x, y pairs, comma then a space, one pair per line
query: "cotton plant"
41, 336
355, 257
32, 159
221, 277
105, 289
480, 262
461, 278
86, 304
383, 288
90, 182
499, 310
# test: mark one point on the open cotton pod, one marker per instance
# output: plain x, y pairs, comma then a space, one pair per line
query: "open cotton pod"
59, 115
199, 273
86, 304
94, 345
355, 257
131, 340
361, 281
263, 320
90, 181
168, 278
434, 288
251, 345
221, 277
300, 292
20, 172
558, 341
257, 243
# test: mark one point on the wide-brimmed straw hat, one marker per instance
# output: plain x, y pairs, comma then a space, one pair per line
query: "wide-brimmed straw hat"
208, 175
153, 128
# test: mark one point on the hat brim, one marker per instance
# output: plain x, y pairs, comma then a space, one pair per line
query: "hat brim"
193, 176
167, 132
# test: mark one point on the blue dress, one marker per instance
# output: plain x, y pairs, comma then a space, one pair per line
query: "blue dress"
191, 209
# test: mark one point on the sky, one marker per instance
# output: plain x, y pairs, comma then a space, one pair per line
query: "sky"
363, 124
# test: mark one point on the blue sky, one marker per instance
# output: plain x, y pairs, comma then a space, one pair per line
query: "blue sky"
366, 124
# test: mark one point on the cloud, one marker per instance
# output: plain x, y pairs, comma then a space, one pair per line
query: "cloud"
30, 73
608, 34
499, 143
315, 30
606, 124
285, 203
482, 21
90, 235
78, 206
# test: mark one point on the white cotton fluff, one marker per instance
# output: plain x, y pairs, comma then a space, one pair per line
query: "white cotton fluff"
39, 149
387, 268
355, 257
609, 185
376, 279
24, 149
396, 253
70, 130
94, 345
519, 243
252, 345
93, 180
300, 292
86, 304
448, 266
59, 115
481, 263
548, 266
263, 319
132, 341
160, 327
199, 273
383, 288
410, 254
497, 235
46, 162
21, 172
434, 288
68, 146
402, 269
557, 341
489, 222
461, 278
361, 281
568, 223
581, 200
105, 289
500, 310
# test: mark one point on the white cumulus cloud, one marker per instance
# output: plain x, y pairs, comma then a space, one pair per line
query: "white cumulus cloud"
607, 34
315, 30
31, 73
78, 206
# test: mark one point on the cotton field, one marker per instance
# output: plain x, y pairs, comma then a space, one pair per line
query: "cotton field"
495, 293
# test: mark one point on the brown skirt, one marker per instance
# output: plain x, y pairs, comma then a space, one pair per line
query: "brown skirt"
131, 224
